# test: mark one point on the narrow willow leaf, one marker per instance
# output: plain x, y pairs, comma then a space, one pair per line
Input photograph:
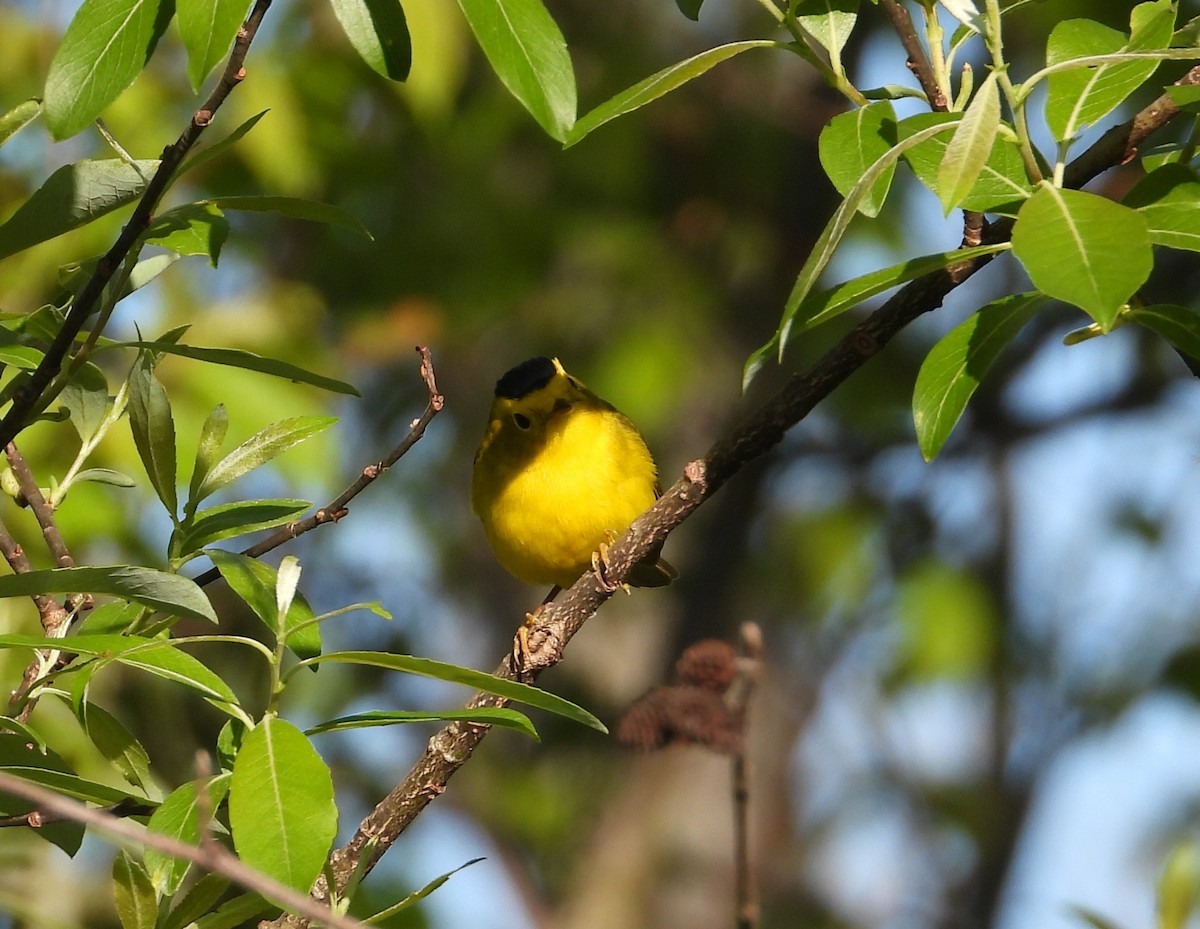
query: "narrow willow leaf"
296, 208
1083, 249
851, 143
18, 118
1092, 918
255, 583
830, 22
25, 357
660, 84
24, 731
953, 370
28, 751
418, 895
197, 903
117, 744
233, 519
970, 147
169, 593
133, 893
104, 48
1168, 199
249, 361
73, 196
286, 581
1179, 325
153, 429
178, 817
379, 33
480, 680
207, 154
824, 306
527, 51
71, 785
281, 809
162, 659
212, 434
260, 448
207, 28
235, 913
193, 229
105, 476
827, 243
491, 716
146, 271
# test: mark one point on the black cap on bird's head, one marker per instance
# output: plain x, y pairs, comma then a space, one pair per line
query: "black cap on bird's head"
527, 377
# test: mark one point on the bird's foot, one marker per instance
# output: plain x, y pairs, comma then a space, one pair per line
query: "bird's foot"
600, 570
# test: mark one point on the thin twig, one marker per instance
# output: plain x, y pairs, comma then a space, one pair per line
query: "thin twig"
42, 510
918, 61
212, 857
339, 506
31, 394
453, 745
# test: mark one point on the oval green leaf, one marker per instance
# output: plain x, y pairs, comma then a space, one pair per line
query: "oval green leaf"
851, 143
207, 28
379, 33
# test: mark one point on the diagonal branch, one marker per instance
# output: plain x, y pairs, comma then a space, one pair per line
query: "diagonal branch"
31, 394
451, 747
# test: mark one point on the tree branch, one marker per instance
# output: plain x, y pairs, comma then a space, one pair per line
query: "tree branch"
31, 394
338, 507
559, 620
918, 61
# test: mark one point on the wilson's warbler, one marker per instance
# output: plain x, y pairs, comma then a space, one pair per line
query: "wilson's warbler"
559, 475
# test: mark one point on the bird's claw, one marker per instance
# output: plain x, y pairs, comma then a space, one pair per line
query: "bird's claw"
600, 570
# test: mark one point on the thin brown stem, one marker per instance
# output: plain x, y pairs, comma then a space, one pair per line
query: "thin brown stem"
338, 507
32, 395
918, 61
42, 511
741, 691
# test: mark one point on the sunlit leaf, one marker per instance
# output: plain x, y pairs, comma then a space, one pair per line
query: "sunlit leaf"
207, 28
133, 894
853, 141
18, 118
233, 519
169, 593
1168, 200
263, 446
255, 583
830, 22
193, 229
970, 147
153, 429
379, 33
178, 817
1179, 325
492, 716
296, 208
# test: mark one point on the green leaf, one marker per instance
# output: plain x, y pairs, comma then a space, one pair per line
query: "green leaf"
830, 22
207, 28
212, 434
207, 154
690, 8
970, 147
18, 118
379, 33
198, 902
255, 583
153, 430
1092, 918
479, 680
492, 716
851, 143
105, 476
1179, 325
1083, 249
114, 616
1002, 185
32, 737
229, 520
73, 196
71, 785
104, 48
821, 307
162, 659
828, 242
235, 913
1178, 886
1185, 96
169, 593
296, 208
21, 751
1079, 97
193, 229
418, 895
178, 817
117, 744
249, 361
281, 809
25, 357
947, 620
87, 400
658, 85
955, 367
260, 448
1169, 199
133, 894
146, 271
527, 51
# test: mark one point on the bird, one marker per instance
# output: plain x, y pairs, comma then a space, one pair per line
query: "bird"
559, 474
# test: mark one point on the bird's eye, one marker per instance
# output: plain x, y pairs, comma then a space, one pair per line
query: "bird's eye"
521, 420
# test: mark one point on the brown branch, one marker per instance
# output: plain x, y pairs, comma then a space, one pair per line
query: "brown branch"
918, 61
212, 857
42, 510
741, 692
453, 745
31, 393
339, 506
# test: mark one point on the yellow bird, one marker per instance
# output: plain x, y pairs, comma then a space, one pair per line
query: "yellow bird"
559, 474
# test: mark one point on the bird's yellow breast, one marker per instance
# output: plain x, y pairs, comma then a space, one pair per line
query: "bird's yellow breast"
548, 505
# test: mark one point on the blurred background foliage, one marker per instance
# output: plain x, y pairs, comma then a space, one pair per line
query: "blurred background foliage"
981, 700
